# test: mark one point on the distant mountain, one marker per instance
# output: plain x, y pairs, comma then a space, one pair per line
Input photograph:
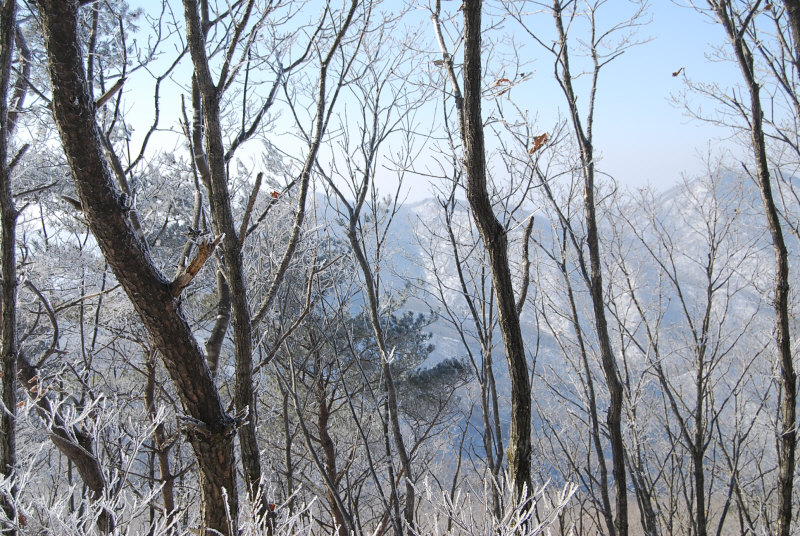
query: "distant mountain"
664, 247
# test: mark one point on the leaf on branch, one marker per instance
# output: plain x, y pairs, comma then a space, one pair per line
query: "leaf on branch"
538, 142
275, 194
204, 250
501, 86
438, 63
676, 73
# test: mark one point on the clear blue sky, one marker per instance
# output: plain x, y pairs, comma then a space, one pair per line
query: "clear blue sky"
641, 136
644, 137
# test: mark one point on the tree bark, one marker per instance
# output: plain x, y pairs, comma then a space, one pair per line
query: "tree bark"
222, 217
209, 429
74, 444
496, 243
8, 262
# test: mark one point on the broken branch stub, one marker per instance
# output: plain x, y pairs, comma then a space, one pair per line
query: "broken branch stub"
204, 250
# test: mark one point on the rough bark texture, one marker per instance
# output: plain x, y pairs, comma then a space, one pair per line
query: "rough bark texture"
496, 244
788, 377
222, 217
210, 429
8, 262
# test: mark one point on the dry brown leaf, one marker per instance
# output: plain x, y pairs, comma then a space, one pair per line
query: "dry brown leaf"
538, 142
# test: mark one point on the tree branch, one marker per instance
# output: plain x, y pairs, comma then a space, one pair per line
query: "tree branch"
204, 250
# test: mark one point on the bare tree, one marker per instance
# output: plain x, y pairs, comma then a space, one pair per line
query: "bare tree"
211, 159
601, 50
493, 236
740, 23
467, 304
208, 426
386, 112
707, 294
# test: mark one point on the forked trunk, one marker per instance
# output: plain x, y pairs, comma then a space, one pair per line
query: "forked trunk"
210, 430
495, 242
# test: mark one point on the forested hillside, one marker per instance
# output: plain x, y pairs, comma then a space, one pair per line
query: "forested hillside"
346, 267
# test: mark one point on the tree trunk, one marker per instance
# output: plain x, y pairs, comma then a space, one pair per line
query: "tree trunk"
609, 362
209, 429
160, 440
496, 244
793, 11
8, 262
697, 449
222, 217
328, 448
595, 276
788, 377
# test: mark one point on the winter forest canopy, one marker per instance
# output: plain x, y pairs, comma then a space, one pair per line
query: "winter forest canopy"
220, 315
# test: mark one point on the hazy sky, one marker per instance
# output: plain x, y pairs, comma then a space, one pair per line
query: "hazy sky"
643, 135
